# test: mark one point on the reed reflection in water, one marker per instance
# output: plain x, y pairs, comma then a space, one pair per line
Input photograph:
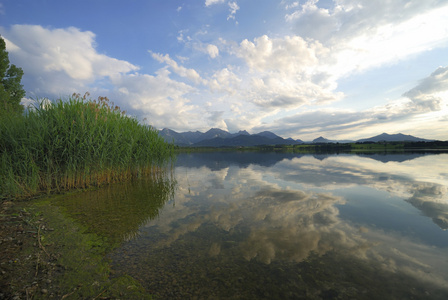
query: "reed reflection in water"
117, 211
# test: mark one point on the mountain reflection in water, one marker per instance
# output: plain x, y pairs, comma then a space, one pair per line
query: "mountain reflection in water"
251, 225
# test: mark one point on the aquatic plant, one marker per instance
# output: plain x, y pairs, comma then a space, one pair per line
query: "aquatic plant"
75, 143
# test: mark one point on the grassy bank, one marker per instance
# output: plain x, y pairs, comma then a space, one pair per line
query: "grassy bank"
74, 143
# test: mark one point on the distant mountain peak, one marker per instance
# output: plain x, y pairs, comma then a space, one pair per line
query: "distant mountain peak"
399, 137
268, 134
321, 139
243, 132
216, 130
168, 132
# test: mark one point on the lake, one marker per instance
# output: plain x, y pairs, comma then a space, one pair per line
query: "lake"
253, 225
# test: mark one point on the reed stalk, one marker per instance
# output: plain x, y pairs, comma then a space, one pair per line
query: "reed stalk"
75, 143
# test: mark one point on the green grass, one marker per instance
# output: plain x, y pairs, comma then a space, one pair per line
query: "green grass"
75, 143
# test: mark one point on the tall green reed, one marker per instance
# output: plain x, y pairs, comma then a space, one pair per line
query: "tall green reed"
75, 143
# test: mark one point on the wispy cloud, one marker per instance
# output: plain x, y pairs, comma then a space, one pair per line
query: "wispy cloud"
233, 7
211, 2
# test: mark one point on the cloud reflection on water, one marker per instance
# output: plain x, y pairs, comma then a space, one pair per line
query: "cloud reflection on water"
432, 200
421, 182
288, 210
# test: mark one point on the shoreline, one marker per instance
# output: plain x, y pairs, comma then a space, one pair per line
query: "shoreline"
46, 254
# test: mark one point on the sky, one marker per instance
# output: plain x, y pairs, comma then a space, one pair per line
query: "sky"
341, 69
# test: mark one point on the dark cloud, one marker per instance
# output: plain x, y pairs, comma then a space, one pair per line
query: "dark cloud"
317, 121
284, 101
312, 22
436, 82
215, 116
422, 95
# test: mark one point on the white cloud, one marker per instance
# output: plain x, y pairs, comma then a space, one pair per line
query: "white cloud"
194, 42
225, 80
291, 54
10, 46
283, 72
233, 7
291, 5
391, 43
181, 37
312, 21
213, 51
191, 74
60, 61
161, 100
211, 2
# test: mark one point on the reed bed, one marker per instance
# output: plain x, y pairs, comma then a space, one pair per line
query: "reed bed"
75, 143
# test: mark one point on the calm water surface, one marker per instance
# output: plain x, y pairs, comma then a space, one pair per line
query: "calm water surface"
283, 226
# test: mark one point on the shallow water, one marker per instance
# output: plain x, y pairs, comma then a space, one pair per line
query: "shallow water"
250, 225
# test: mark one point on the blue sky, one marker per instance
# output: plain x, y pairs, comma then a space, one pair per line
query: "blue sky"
341, 69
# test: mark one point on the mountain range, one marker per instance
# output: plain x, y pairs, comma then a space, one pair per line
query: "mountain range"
220, 138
